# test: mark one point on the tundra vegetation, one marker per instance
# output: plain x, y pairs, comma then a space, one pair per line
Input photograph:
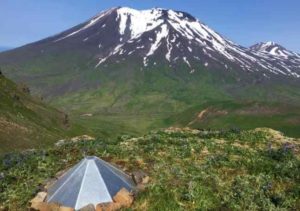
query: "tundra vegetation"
189, 169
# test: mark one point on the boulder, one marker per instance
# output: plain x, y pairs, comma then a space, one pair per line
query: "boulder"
74, 140
82, 138
141, 179
140, 188
86, 115
43, 206
40, 206
40, 197
145, 180
89, 207
2, 176
37, 203
53, 207
138, 176
124, 198
66, 209
112, 206
60, 143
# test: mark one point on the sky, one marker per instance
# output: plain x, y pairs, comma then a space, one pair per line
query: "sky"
245, 22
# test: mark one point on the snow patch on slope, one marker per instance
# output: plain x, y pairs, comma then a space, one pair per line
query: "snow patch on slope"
163, 33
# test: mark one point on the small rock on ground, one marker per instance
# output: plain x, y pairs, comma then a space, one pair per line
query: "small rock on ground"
89, 207
113, 206
124, 198
139, 176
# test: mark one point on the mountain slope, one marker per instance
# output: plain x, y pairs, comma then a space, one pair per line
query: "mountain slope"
123, 45
141, 68
121, 34
24, 121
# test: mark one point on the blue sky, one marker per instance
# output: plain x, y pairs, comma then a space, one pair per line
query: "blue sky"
243, 21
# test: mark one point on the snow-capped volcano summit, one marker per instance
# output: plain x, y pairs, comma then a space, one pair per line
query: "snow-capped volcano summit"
178, 37
166, 37
144, 33
273, 49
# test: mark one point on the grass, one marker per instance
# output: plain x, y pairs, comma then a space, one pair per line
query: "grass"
189, 169
217, 169
136, 102
26, 122
244, 115
123, 99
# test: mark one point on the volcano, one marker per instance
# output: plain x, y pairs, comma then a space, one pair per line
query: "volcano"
159, 36
140, 69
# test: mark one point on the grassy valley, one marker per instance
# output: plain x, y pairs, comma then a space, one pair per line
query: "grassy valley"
122, 99
156, 99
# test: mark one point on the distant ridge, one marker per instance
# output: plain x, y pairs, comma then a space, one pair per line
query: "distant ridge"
4, 48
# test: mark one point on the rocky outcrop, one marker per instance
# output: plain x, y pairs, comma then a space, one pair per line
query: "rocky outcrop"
74, 140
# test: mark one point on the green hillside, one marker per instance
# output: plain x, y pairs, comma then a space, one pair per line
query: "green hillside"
26, 122
159, 98
120, 98
240, 114
188, 169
